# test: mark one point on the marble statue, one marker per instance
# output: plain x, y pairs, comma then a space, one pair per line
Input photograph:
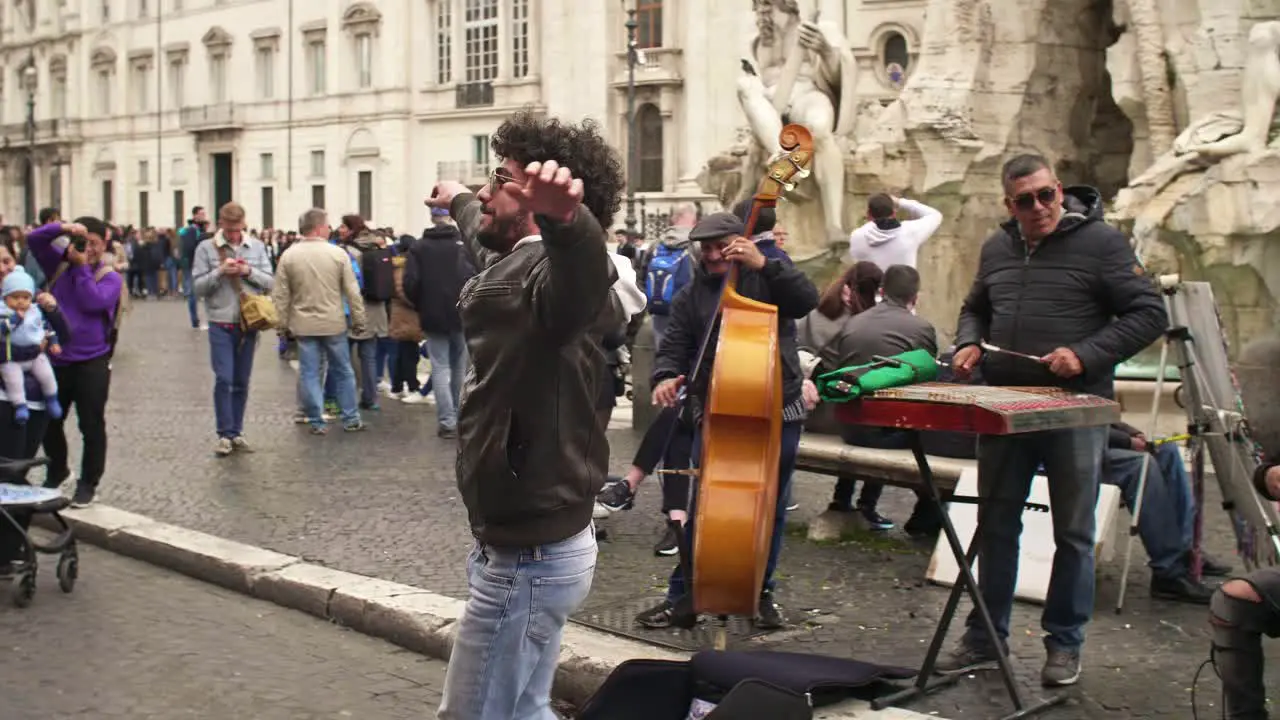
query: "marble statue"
1222, 134
801, 71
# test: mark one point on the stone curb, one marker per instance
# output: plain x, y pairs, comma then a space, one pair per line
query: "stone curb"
413, 618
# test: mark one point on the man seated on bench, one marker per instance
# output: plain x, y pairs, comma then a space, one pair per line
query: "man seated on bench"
1168, 512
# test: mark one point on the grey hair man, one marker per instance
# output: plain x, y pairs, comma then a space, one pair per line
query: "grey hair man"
317, 297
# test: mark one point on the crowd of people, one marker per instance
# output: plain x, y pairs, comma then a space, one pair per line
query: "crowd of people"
525, 314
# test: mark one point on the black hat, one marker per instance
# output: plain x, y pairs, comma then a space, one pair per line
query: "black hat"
716, 226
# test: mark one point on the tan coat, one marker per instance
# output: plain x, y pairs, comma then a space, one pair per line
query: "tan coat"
405, 325
312, 280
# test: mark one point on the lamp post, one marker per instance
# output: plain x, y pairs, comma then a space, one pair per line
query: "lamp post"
633, 161
29, 80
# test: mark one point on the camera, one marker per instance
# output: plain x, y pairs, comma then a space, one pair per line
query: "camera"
79, 243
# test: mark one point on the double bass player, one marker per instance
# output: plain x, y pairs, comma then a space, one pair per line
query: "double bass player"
720, 243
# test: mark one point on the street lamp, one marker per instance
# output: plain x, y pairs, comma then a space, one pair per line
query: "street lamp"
633, 161
30, 77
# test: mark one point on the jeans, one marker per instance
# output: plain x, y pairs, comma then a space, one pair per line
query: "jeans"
84, 385
1168, 510
448, 352
171, 270
336, 352
876, 438
153, 282
192, 302
507, 644
1006, 463
385, 364
367, 353
404, 367
676, 587
231, 354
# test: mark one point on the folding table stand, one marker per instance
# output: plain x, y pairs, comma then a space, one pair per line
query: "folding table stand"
965, 582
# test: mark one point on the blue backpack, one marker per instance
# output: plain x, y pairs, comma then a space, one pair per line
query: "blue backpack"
669, 270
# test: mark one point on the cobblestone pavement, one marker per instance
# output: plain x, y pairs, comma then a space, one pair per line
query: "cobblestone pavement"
138, 642
383, 503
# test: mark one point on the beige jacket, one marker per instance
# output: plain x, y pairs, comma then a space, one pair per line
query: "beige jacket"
312, 280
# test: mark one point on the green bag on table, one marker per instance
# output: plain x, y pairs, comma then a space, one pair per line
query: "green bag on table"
908, 368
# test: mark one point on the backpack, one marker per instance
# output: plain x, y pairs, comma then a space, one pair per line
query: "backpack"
122, 302
378, 274
669, 270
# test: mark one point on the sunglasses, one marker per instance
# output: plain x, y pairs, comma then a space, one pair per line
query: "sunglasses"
501, 176
1044, 196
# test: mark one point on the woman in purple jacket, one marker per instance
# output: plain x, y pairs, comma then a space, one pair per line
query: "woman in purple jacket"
88, 293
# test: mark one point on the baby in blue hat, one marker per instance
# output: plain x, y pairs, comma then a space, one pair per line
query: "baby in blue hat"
24, 332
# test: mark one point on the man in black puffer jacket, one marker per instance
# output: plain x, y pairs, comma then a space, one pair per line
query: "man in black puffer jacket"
721, 244
1057, 283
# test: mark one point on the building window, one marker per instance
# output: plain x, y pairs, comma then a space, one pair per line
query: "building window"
317, 196
364, 61
177, 5
316, 66
365, 184
480, 40
178, 172
58, 94
480, 151
142, 10
177, 84
144, 172
104, 92
895, 59
268, 207
144, 209
139, 88
107, 192
268, 166
179, 209
106, 11
266, 67
444, 41
317, 164
519, 38
649, 141
649, 24
218, 78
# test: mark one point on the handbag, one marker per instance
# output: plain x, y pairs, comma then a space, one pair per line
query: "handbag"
257, 312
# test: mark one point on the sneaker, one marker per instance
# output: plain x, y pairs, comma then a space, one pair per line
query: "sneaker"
793, 506
767, 616
667, 615
239, 444
356, 426
412, 398
300, 418
875, 520
616, 496
446, 432
965, 659
384, 386
1180, 589
223, 448
1061, 668
372, 406
319, 429
670, 543
83, 497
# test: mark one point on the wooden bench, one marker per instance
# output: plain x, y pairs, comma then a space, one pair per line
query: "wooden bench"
829, 455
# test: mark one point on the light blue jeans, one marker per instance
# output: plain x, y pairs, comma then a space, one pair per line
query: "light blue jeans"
337, 354
507, 644
1072, 461
1168, 510
448, 353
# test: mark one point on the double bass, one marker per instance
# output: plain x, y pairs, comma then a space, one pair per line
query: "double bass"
742, 424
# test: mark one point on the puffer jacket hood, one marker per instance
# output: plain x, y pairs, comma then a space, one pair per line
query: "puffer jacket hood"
1080, 203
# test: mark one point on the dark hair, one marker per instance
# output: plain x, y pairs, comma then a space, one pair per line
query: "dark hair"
863, 280
901, 283
47, 215
93, 225
880, 206
524, 137
195, 210
6, 239
766, 219
354, 223
1020, 166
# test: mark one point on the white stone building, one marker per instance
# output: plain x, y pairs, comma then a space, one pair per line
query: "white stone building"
144, 108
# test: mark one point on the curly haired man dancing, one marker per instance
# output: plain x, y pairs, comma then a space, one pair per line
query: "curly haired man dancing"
531, 453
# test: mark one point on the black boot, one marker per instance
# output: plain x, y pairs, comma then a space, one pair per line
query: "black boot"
767, 616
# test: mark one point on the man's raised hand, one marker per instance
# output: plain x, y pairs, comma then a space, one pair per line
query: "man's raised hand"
444, 192
548, 190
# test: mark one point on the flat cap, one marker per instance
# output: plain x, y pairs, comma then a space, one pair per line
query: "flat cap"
716, 226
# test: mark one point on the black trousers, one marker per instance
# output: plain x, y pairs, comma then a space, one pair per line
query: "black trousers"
675, 488
17, 442
1238, 627
84, 385
404, 367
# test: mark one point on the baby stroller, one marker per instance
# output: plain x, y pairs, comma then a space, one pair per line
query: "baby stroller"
17, 498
